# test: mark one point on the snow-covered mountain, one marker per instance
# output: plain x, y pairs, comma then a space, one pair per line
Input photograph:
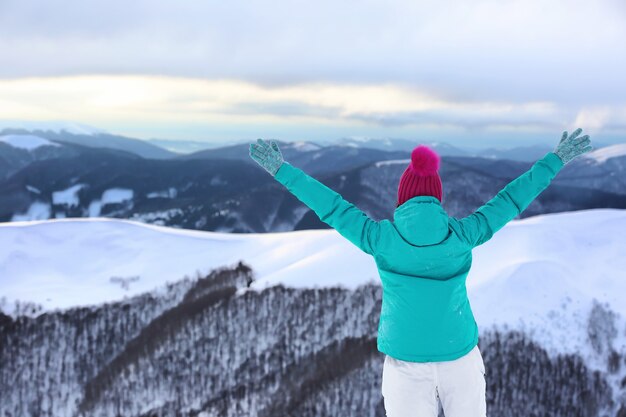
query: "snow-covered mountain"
26, 142
547, 293
602, 169
58, 126
580, 251
92, 138
602, 155
187, 146
19, 150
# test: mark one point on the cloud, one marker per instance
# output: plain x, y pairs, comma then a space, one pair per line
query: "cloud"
349, 67
605, 118
106, 100
565, 51
470, 120
283, 109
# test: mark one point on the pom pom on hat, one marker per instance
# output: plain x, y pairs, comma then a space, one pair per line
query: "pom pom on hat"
424, 161
421, 177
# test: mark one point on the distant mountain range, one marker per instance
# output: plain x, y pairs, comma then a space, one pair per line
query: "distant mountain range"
168, 148
525, 153
57, 174
399, 146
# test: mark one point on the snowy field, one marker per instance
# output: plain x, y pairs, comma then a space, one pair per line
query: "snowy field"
539, 274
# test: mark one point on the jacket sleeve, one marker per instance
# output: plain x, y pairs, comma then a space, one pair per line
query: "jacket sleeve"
512, 200
330, 207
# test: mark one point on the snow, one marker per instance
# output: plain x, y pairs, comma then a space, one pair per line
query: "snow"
540, 274
95, 208
38, 210
110, 196
68, 196
169, 193
359, 138
39, 259
158, 217
33, 189
392, 162
218, 180
26, 142
304, 146
116, 196
603, 154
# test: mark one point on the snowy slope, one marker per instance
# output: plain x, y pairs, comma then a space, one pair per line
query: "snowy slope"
607, 152
26, 142
539, 274
542, 274
63, 263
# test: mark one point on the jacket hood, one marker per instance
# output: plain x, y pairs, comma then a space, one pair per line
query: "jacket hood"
421, 221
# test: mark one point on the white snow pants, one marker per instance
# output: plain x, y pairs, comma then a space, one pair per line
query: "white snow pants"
412, 389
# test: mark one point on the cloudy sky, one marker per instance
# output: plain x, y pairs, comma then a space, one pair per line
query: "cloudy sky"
479, 72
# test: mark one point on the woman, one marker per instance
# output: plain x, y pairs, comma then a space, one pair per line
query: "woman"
426, 329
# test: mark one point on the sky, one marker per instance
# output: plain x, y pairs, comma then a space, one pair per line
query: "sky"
493, 73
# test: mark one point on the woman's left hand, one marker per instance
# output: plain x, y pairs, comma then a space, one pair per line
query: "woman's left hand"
267, 154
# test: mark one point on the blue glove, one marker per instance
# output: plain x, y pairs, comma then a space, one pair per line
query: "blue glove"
572, 146
267, 154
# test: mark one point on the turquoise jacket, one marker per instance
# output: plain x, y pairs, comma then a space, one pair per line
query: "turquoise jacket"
423, 257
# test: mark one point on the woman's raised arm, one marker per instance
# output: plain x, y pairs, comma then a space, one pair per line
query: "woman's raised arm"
513, 199
327, 204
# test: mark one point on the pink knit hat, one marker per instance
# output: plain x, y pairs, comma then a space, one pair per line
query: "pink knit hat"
421, 176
